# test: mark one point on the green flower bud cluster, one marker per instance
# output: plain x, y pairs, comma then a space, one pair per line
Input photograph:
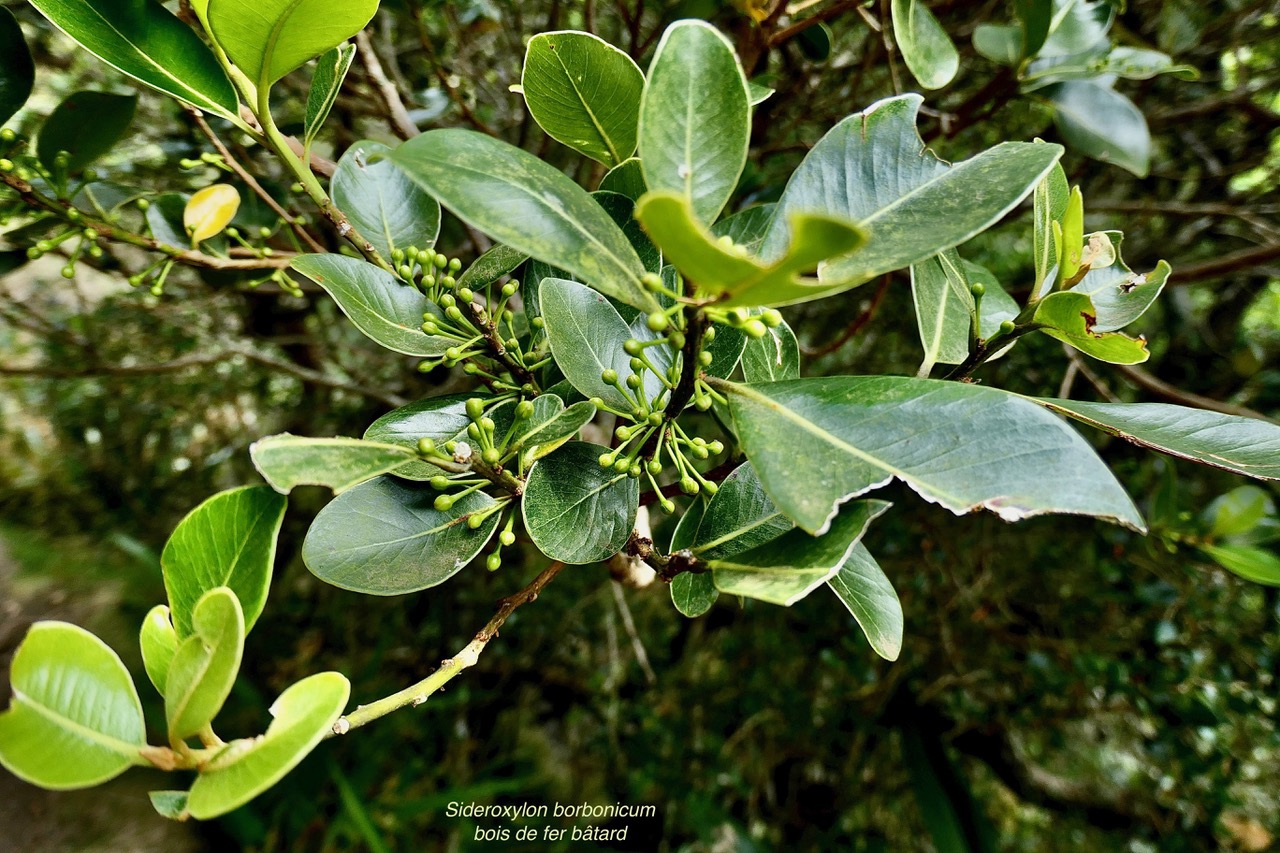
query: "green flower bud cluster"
641, 448
752, 322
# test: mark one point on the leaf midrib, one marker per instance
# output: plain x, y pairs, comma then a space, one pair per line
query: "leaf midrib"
121, 747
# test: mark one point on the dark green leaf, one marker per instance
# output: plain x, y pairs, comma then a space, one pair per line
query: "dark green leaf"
1036, 17
390, 210
862, 587
925, 45
1001, 43
205, 665
169, 804
326, 82
1050, 206
440, 419
17, 71
626, 179
576, 511
746, 228
86, 126
1077, 26
491, 266
738, 518
267, 39
694, 593
772, 358
550, 425
286, 461
1101, 123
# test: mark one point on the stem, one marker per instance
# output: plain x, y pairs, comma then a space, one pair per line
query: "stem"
689, 366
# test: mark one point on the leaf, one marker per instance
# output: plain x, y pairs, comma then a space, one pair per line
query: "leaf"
75, 719
286, 461
772, 358
269, 38
385, 309
229, 540
738, 518
1238, 511
527, 204
695, 118
303, 715
1071, 318
944, 309
86, 125
1120, 295
169, 804
1051, 197
925, 45
492, 265
726, 350
440, 419
1135, 63
1070, 237
1252, 564
788, 568
384, 205
818, 442
1242, 445
916, 205
159, 642
748, 227
730, 274
584, 92
1000, 43
1036, 17
1101, 123
693, 593
576, 511
815, 43
17, 70
627, 178
164, 218
209, 212
151, 45
204, 668
550, 425
326, 83
385, 537
1077, 26
862, 587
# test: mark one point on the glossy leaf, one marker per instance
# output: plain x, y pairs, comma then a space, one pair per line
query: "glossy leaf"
695, 118
385, 537
205, 665
584, 92
17, 71
772, 358
1071, 318
75, 719
1077, 26
209, 212
491, 266
1120, 295
574, 510
627, 178
862, 587
738, 518
229, 540
1036, 18
550, 425
1252, 564
150, 44
269, 38
818, 442
944, 304
286, 461
86, 125
1102, 123
788, 568
1242, 445
748, 227
303, 715
159, 642
694, 593
384, 205
528, 205
169, 804
440, 419
387, 310
1051, 197
326, 83
925, 45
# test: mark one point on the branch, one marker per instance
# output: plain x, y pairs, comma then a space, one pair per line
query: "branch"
416, 694
1163, 389
1227, 264
397, 115
826, 14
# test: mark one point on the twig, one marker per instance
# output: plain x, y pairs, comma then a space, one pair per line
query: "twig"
832, 11
1227, 264
629, 625
1160, 388
390, 95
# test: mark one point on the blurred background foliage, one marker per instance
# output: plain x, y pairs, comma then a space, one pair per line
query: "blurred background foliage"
1064, 685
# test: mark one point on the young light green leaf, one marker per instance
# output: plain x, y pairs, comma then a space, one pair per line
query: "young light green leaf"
75, 719
303, 715
1101, 123
1238, 511
86, 125
169, 804
788, 568
1242, 445
440, 419
385, 537
584, 92
204, 668
159, 642
1071, 318
286, 461
818, 442
1050, 201
862, 587
695, 118
386, 310
1252, 564
326, 82
267, 39
925, 45
150, 44
527, 204
772, 358
627, 179
229, 540
17, 71
1119, 295
1070, 236
944, 309
738, 518
576, 511
390, 210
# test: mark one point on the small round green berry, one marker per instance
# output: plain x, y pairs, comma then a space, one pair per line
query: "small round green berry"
454, 313
651, 281
716, 447
634, 471
440, 261
426, 446
453, 354
405, 271
474, 521
702, 403
6, 165
538, 322
655, 418
475, 408
143, 204
507, 538
632, 347
705, 358
34, 253
69, 271
709, 335
487, 424
755, 329
624, 432
977, 289
491, 456
621, 466
524, 410
711, 488
688, 485
676, 340
466, 294
509, 289
633, 382
657, 321
440, 483
454, 265
637, 366
606, 460
654, 467
667, 505
428, 280
1007, 327
73, 215
96, 252
471, 369
609, 376
473, 431
493, 562
8, 135
597, 402
443, 503
772, 318
447, 300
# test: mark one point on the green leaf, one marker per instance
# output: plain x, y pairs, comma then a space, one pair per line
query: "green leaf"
75, 719
303, 715
695, 118
584, 92
818, 442
788, 568
627, 178
164, 218
326, 82
387, 310
286, 461
1050, 206
1101, 123
550, 425
730, 274
925, 45
86, 125
169, 804
17, 71
1238, 511
390, 210
440, 419
1135, 63
159, 642
1077, 26
693, 593
944, 309
1252, 564
748, 227
269, 38
815, 43
148, 43
1120, 295
862, 587
1000, 43
772, 358
385, 537
229, 540
916, 205
1071, 318
738, 518
492, 265
576, 511
204, 668
726, 350
1242, 445
1036, 17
